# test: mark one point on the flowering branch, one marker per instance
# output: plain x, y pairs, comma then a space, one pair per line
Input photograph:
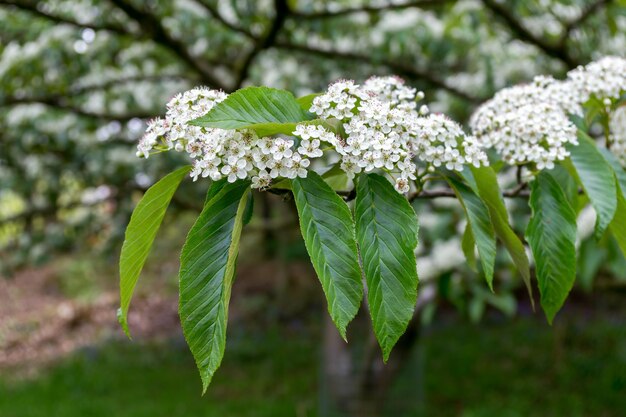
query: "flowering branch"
281, 12
152, 26
557, 51
399, 68
370, 9
586, 14
32, 8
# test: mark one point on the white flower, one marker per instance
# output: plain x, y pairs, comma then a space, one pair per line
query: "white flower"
603, 79
261, 181
618, 134
402, 185
528, 124
383, 131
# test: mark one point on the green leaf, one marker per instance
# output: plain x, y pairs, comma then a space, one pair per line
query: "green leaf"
265, 110
249, 212
489, 191
551, 234
207, 269
597, 179
478, 218
329, 236
620, 172
140, 233
468, 245
306, 102
618, 225
386, 230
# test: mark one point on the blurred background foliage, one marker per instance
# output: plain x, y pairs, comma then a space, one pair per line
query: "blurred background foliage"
78, 80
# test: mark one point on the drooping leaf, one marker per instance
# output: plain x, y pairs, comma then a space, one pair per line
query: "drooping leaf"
265, 110
482, 229
551, 234
329, 236
386, 229
207, 269
489, 191
620, 172
468, 245
618, 225
597, 179
140, 233
249, 212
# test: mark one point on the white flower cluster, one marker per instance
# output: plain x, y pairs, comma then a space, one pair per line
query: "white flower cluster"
383, 128
529, 124
603, 79
618, 134
384, 131
231, 154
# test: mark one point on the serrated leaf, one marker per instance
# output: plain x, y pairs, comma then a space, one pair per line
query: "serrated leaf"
551, 234
489, 191
468, 245
386, 229
207, 269
597, 179
482, 229
249, 211
620, 172
265, 110
140, 233
618, 225
329, 236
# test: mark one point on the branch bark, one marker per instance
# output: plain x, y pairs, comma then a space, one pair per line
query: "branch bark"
513, 22
153, 27
33, 9
281, 10
423, 4
399, 68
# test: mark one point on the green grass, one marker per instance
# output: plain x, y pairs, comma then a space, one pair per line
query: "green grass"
527, 368
260, 376
518, 368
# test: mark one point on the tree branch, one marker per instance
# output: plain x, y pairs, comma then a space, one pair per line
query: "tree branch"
521, 32
281, 10
369, 9
586, 14
399, 68
60, 104
152, 26
33, 9
215, 14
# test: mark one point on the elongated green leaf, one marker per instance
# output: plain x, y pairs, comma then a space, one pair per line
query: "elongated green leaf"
551, 234
618, 225
386, 229
597, 179
489, 191
265, 110
468, 245
207, 269
480, 222
620, 172
329, 236
140, 233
